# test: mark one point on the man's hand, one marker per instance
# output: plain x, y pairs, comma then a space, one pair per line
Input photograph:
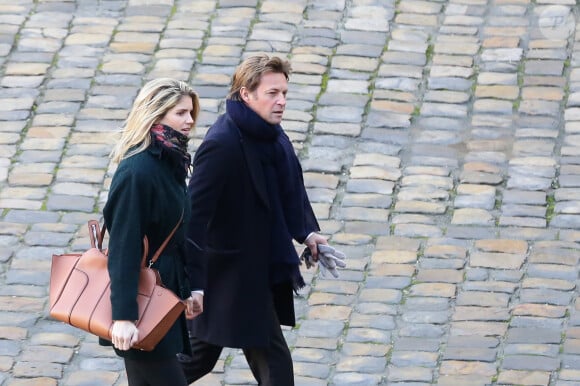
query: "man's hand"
124, 334
194, 305
312, 242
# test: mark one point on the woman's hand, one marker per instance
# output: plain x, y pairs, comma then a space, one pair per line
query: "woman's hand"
124, 334
193, 305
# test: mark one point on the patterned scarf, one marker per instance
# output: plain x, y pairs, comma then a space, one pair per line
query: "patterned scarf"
173, 141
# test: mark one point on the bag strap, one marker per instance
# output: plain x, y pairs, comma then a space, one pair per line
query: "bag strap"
97, 235
161, 247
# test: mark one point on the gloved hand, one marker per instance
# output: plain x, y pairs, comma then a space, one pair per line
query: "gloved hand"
330, 259
124, 334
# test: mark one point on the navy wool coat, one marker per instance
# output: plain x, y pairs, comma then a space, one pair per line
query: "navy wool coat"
147, 198
228, 242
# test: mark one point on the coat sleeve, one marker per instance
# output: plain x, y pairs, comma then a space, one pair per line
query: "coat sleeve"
126, 216
211, 165
300, 217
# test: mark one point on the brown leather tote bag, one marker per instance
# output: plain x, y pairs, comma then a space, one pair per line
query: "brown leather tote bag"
79, 292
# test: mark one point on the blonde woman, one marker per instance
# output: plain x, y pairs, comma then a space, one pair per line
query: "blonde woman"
148, 197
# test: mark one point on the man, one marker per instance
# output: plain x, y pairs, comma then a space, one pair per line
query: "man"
248, 202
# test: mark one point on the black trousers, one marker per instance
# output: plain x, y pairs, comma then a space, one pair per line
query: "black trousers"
161, 372
271, 366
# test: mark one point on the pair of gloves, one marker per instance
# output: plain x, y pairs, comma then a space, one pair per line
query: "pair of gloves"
329, 259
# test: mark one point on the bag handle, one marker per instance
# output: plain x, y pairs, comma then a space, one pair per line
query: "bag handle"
97, 235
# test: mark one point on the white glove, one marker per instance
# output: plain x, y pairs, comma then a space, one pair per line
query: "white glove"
124, 334
330, 259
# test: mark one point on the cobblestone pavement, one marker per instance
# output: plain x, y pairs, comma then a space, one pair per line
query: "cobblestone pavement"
440, 142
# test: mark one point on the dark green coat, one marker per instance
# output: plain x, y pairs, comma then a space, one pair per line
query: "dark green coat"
147, 197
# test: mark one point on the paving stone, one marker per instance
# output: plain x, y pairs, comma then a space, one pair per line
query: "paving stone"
394, 256
469, 216
571, 361
530, 362
442, 264
537, 349
355, 379
445, 251
433, 289
454, 367
419, 207
433, 317
427, 303
502, 245
43, 381
570, 374
409, 374
550, 271
473, 298
475, 380
361, 364
440, 275
539, 336
423, 192
421, 331
98, 377
497, 260
474, 313
545, 296
472, 341
370, 186
404, 270
463, 328
531, 282
524, 197
413, 358
321, 329
473, 354
524, 377
416, 344
462, 232
34, 369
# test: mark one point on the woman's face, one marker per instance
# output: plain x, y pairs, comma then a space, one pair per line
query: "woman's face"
179, 117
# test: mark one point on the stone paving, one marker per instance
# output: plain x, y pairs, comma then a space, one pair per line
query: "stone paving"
440, 142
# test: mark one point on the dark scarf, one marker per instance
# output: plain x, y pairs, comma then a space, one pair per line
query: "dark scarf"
286, 193
173, 143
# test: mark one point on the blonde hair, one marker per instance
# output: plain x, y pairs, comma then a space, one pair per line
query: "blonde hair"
155, 99
249, 73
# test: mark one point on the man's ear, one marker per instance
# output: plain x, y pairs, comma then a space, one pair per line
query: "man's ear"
245, 94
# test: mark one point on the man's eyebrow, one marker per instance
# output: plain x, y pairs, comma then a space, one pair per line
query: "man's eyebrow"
277, 89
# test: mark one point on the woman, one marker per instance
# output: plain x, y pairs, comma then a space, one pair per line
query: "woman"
148, 197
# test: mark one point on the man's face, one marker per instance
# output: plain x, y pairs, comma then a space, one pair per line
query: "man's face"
268, 100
